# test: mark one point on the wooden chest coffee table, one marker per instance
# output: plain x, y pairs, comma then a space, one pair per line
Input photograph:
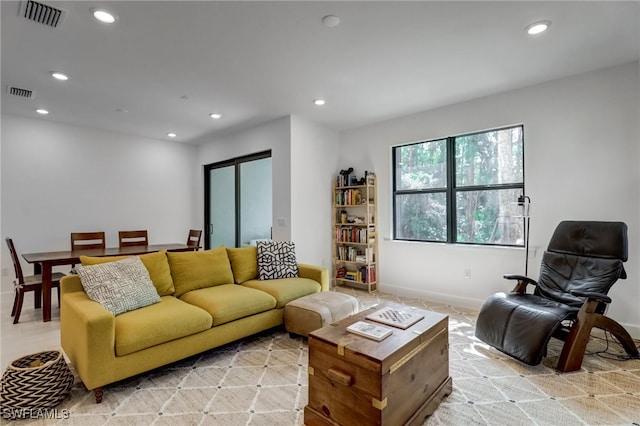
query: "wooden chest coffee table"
397, 381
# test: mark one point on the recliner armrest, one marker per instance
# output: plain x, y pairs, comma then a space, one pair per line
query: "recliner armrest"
592, 295
520, 278
521, 287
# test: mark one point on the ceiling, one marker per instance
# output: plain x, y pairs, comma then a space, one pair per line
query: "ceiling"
163, 66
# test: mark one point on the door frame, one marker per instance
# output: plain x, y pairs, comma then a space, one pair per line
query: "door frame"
236, 162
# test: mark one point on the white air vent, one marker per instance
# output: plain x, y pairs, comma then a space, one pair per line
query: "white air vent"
23, 93
41, 13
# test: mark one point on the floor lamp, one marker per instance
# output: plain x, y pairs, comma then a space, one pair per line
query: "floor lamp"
525, 203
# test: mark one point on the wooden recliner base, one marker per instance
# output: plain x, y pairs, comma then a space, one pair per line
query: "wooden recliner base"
578, 337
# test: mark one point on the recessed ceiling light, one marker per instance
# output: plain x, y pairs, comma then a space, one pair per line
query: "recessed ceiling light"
319, 102
42, 111
215, 115
330, 21
538, 27
104, 16
59, 76
171, 135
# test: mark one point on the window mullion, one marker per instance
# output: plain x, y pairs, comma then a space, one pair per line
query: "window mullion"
451, 206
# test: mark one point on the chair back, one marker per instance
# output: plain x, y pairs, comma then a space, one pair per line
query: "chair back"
586, 256
16, 261
194, 237
87, 240
133, 238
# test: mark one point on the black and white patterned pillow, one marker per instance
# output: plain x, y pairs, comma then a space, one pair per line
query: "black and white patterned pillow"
119, 286
276, 260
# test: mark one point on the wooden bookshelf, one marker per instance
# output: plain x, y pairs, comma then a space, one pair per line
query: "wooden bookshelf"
355, 232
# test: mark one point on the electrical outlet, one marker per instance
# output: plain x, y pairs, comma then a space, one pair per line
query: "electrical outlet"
5, 272
467, 273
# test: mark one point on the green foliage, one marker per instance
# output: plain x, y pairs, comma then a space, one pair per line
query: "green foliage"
423, 216
423, 165
481, 159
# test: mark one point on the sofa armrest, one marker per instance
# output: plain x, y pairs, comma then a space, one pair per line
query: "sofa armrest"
316, 273
70, 283
87, 336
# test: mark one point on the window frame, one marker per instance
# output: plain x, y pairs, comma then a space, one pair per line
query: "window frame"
452, 189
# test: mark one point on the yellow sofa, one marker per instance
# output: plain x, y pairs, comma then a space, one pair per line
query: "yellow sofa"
207, 299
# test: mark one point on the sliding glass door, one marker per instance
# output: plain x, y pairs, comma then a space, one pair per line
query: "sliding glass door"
255, 200
238, 201
222, 202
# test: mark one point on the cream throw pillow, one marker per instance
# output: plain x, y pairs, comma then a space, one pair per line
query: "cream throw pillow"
156, 263
119, 286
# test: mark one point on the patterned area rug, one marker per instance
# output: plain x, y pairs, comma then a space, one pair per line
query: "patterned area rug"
262, 380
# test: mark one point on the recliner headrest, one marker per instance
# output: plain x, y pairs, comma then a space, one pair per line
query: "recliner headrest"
591, 239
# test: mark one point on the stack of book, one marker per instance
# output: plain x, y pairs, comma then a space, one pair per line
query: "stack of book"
372, 331
401, 318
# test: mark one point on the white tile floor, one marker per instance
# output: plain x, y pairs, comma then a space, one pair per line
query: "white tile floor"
30, 335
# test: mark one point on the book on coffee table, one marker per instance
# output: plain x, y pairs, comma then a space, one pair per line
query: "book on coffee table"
372, 331
401, 318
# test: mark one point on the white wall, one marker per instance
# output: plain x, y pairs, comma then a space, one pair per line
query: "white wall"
276, 136
581, 162
57, 179
314, 163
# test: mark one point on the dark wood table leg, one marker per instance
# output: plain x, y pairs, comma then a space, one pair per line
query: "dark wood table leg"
37, 270
46, 292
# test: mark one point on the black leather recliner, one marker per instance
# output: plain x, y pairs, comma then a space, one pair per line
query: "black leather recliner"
583, 260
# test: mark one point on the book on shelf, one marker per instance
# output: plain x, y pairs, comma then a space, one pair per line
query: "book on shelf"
351, 276
349, 197
401, 318
354, 234
372, 331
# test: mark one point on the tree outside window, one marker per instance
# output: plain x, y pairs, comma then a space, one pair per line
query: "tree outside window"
461, 189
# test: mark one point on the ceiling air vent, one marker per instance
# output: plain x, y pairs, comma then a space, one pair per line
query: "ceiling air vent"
23, 93
42, 13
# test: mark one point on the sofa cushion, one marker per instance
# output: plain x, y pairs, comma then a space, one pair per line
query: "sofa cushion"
192, 270
244, 263
276, 259
229, 302
286, 289
119, 286
155, 324
156, 263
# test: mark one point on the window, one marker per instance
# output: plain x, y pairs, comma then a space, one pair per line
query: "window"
461, 189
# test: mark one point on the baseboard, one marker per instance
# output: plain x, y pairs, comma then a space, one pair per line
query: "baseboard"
467, 302
446, 298
634, 330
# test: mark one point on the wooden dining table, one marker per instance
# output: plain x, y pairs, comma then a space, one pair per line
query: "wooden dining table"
45, 261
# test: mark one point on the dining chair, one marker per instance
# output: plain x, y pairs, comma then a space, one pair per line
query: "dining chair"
193, 239
133, 238
86, 241
24, 284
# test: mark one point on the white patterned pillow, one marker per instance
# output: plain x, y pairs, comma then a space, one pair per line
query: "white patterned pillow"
119, 286
276, 260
